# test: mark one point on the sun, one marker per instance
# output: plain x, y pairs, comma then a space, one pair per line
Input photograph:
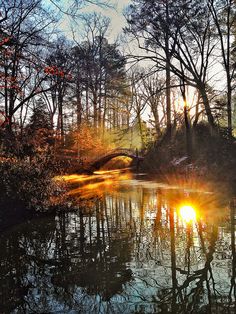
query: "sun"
187, 213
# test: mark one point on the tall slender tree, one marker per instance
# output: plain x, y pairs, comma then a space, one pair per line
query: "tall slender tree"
224, 16
177, 35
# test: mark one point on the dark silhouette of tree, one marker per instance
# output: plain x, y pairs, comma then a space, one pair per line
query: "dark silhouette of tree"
27, 26
38, 134
99, 71
59, 78
177, 36
223, 13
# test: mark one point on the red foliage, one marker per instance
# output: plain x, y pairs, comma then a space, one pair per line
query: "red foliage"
56, 71
16, 87
9, 82
3, 41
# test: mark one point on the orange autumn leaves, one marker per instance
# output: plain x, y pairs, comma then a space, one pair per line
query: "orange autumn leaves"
89, 143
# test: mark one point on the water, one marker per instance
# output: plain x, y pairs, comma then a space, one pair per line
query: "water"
127, 249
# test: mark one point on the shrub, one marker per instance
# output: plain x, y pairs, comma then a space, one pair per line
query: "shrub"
30, 184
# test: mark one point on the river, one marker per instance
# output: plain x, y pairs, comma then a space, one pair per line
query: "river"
134, 245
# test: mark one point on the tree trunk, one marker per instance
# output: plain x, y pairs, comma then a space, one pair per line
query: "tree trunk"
229, 106
60, 123
95, 110
207, 107
155, 113
79, 110
188, 134
87, 103
168, 83
197, 111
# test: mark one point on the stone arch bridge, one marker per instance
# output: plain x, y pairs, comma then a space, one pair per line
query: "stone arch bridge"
102, 160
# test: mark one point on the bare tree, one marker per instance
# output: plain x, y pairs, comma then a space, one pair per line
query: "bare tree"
27, 26
180, 40
99, 69
223, 14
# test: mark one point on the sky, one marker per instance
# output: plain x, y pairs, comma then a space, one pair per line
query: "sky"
115, 13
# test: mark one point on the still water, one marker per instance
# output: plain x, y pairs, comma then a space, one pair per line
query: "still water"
132, 246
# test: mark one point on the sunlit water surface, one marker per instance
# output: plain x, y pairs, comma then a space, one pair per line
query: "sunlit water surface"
132, 246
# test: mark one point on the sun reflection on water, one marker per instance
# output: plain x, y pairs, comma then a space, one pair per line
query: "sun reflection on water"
192, 201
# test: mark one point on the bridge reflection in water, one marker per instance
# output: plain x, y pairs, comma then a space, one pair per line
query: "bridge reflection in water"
126, 250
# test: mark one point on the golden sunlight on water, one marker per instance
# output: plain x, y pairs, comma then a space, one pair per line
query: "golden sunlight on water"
87, 186
126, 238
191, 201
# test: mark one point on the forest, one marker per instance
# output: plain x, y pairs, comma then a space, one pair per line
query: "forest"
118, 156
164, 89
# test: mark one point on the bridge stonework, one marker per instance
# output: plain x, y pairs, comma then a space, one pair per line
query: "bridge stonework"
102, 160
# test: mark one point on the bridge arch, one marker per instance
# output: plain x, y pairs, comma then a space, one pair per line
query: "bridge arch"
101, 161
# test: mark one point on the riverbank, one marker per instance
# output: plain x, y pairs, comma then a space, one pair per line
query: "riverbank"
212, 156
30, 185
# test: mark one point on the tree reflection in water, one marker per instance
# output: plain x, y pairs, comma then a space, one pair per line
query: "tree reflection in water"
129, 252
